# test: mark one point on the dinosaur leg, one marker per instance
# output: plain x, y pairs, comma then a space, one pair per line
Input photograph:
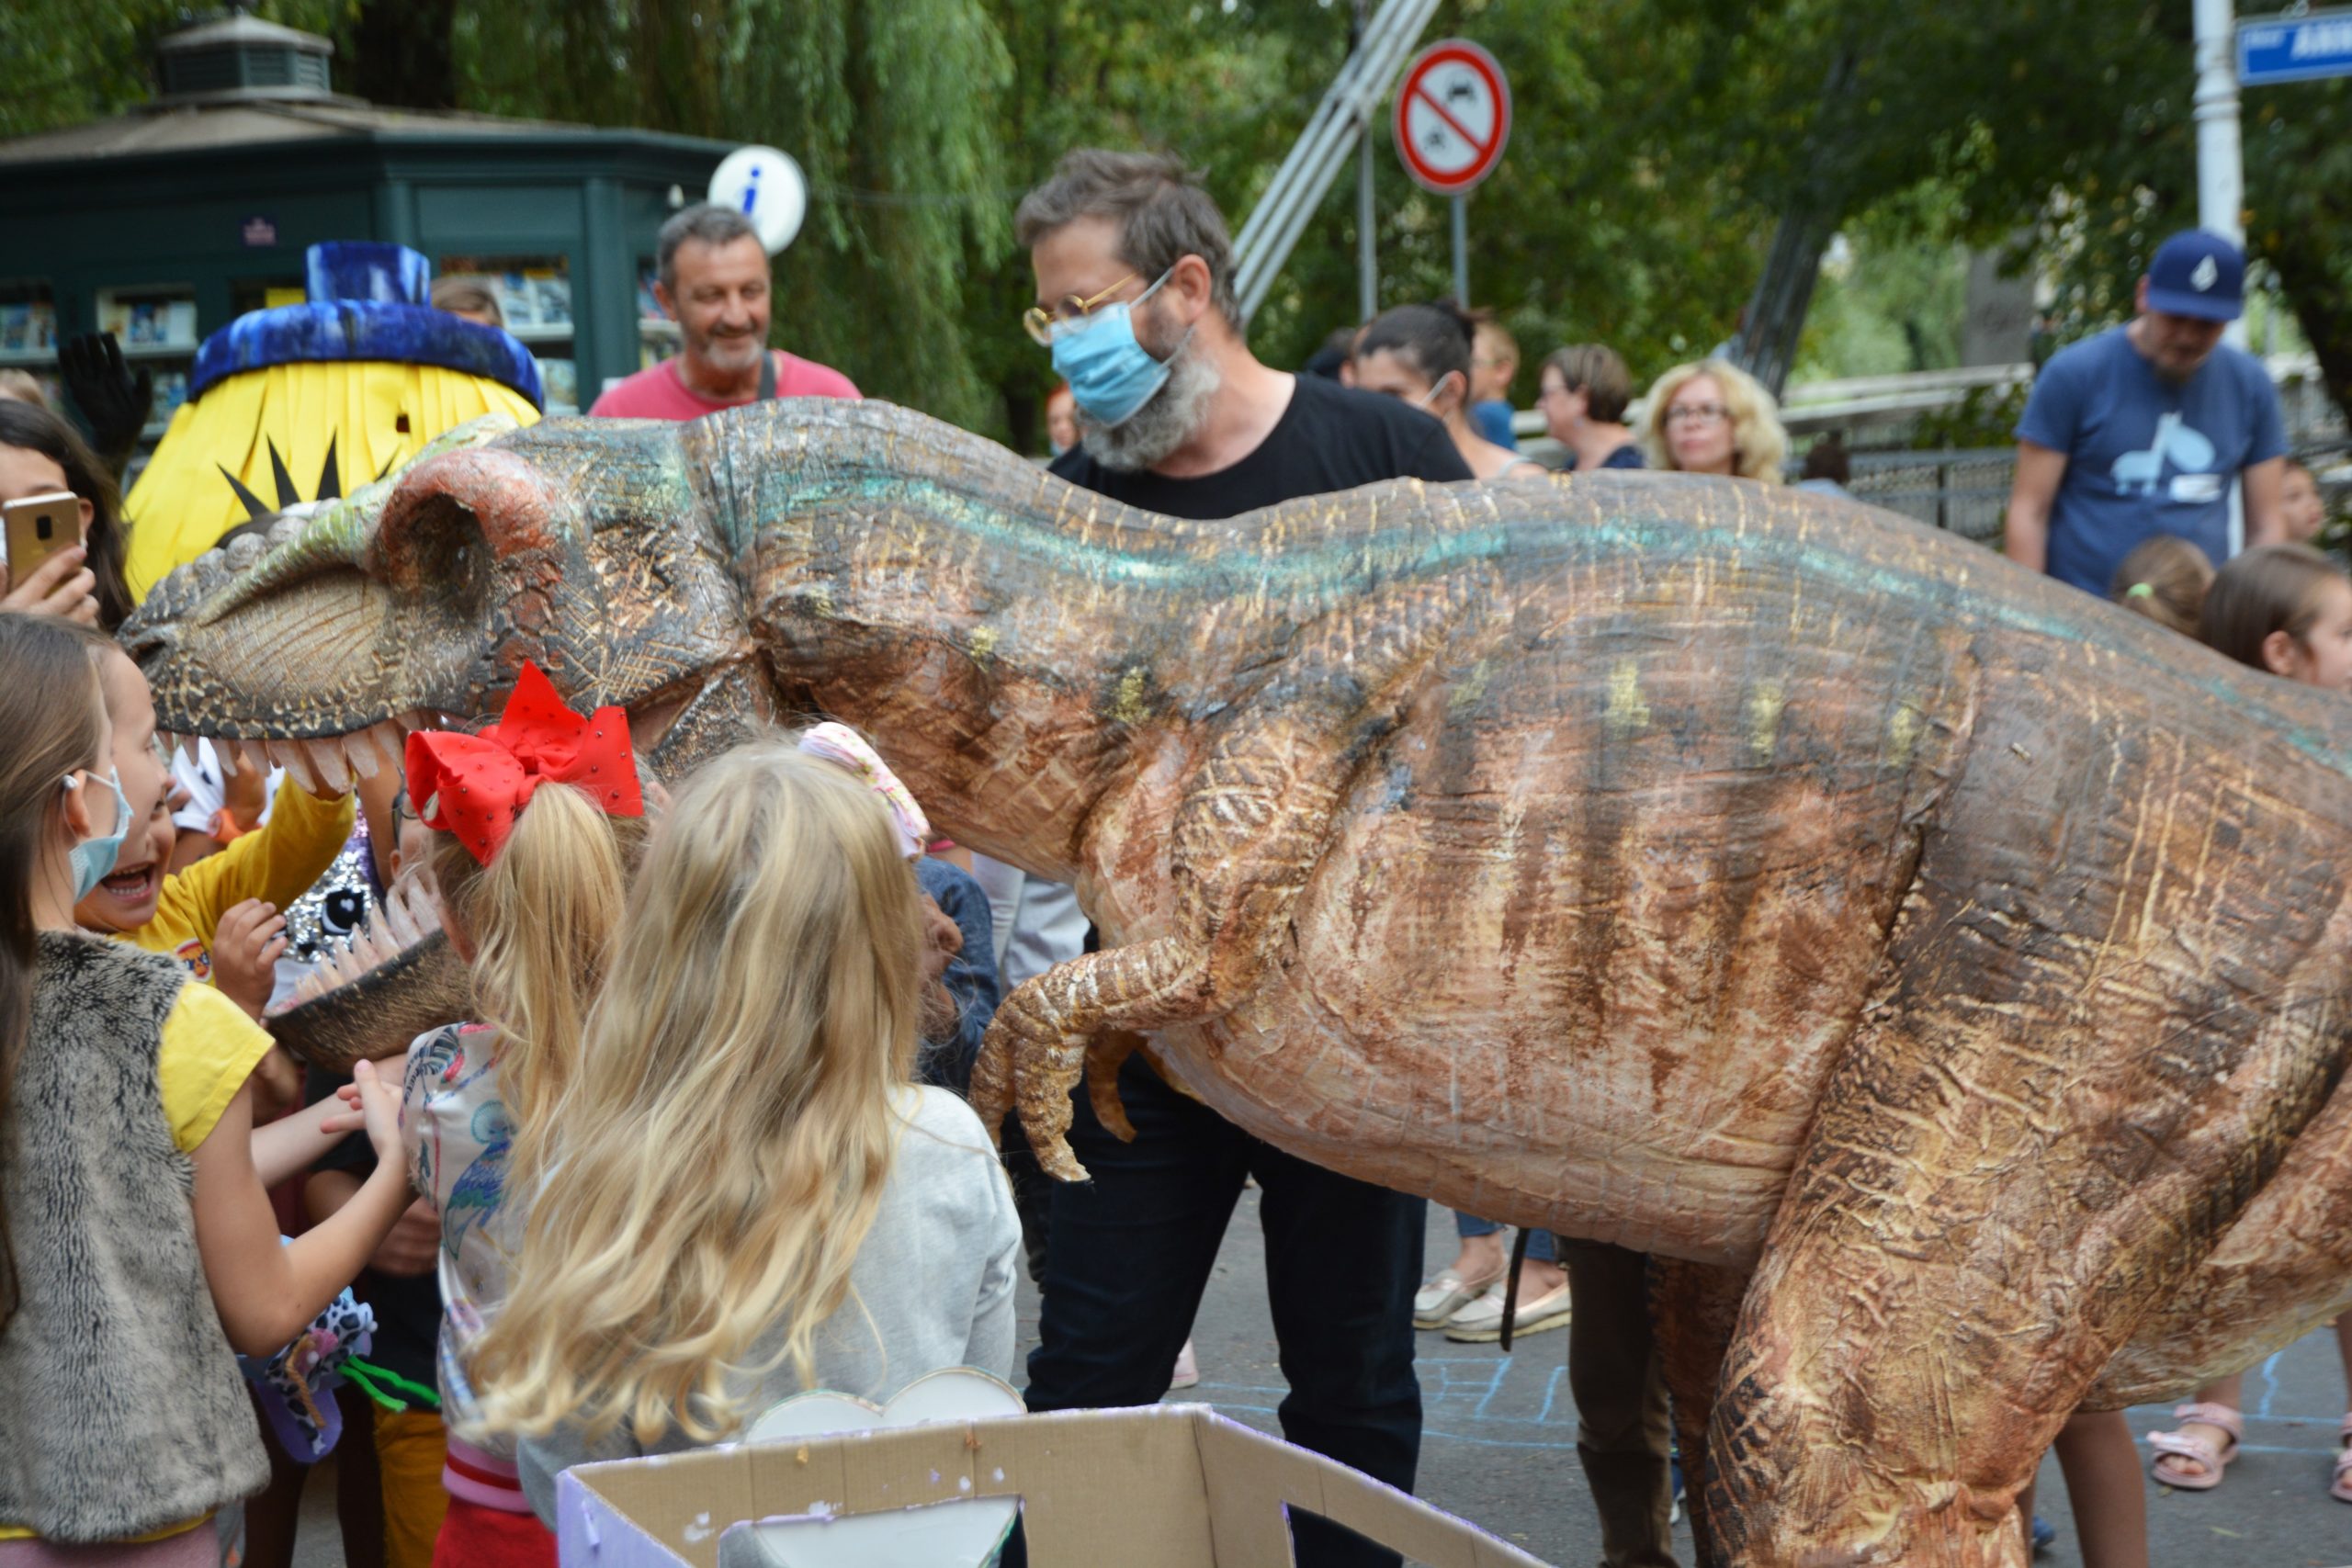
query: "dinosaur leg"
1697, 1306
1988, 1206
1247, 837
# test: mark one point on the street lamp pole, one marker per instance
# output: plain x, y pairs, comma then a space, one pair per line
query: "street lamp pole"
2221, 166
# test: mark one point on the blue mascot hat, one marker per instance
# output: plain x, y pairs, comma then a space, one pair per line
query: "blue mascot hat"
367, 302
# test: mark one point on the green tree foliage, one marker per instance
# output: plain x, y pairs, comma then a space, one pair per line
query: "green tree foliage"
892, 108
1657, 145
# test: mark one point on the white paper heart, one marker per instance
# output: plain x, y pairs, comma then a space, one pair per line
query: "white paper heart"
941, 1535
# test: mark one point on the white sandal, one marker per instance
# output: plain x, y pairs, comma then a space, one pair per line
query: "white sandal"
1443, 1295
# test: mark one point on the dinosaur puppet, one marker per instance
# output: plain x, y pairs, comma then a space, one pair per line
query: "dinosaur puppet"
1809, 898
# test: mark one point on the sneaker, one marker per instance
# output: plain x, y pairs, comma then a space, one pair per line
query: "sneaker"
1188, 1370
1443, 1295
1674, 1468
1482, 1321
2045, 1535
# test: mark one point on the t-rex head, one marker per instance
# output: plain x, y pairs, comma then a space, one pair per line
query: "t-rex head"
589, 550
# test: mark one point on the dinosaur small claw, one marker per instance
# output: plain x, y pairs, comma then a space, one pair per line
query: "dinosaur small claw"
991, 1092
1102, 1086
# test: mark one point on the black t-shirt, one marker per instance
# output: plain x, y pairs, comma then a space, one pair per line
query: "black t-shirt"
1332, 437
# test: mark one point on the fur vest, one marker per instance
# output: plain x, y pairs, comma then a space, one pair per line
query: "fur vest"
123, 1411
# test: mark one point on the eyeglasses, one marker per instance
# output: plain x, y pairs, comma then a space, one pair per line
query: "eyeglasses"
1041, 323
1696, 413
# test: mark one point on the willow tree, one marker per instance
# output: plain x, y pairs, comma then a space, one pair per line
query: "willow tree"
890, 106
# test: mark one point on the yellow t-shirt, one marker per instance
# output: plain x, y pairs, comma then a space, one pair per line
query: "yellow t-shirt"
276, 862
210, 1049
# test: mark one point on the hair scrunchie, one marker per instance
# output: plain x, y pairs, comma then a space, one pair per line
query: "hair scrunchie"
840, 743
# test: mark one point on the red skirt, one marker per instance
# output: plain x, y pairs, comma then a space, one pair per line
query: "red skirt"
475, 1537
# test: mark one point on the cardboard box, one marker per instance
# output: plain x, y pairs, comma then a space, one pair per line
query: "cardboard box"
1158, 1486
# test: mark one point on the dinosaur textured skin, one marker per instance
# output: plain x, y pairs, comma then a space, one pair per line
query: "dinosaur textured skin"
1755, 880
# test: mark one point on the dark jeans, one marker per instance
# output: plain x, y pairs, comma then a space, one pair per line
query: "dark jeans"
1624, 1434
1131, 1252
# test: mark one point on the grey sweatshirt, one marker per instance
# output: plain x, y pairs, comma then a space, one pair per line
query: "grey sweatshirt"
932, 1287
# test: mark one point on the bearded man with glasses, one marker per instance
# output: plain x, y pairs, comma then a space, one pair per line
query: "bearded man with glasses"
1176, 416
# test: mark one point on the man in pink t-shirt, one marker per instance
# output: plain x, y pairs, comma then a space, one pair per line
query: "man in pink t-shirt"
714, 284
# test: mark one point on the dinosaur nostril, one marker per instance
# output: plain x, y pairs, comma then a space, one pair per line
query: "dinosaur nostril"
144, 639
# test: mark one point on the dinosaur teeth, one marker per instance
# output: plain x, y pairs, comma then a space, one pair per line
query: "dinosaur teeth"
398, 921
291, 755
327, 759
360, 751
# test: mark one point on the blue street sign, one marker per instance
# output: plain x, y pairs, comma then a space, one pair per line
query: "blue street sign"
2294, 49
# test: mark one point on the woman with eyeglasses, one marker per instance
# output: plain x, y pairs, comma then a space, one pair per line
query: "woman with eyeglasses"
1712, 417
1421, 354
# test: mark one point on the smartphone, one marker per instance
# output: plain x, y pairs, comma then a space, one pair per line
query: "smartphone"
39, 526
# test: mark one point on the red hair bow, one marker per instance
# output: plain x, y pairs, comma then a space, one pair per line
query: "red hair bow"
475, 785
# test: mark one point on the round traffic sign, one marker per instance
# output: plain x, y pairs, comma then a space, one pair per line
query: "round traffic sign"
1453, 117
766, 187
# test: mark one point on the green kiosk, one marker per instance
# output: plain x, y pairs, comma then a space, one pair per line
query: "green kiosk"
167, 223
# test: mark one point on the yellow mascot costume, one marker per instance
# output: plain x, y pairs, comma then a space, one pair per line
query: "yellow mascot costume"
300, 403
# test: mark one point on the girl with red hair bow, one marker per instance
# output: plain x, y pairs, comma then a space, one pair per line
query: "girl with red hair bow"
537, 821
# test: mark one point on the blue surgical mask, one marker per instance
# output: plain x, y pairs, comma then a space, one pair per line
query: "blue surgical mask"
1110, 373
93, 858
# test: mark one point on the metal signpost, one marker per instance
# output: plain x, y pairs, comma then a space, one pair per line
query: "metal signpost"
2294, 48
1453, 119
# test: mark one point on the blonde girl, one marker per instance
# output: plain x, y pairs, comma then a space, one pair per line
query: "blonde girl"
137, 1243
1712, 417
744, 1196
2286, 609
531, 880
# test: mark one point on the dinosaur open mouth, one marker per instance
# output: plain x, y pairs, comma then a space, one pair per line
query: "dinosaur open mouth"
329, 763
406, 925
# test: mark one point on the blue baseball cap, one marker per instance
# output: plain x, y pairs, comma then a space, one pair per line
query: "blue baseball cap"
2198, 273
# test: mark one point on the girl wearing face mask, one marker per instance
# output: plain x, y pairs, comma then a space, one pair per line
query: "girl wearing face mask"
1421, 354
137, 1243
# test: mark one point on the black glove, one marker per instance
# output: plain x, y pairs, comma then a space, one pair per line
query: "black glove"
113, 400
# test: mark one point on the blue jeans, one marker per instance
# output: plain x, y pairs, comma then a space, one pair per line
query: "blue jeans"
1538, 1242
1129, 1253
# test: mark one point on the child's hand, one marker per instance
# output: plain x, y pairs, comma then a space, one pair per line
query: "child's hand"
380, 1111
60, 586
245, 950
350, 1118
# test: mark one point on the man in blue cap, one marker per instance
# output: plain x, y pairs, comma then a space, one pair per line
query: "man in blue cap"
2144, 429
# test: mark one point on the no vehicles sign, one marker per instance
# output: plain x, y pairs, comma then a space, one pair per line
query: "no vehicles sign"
1453, 117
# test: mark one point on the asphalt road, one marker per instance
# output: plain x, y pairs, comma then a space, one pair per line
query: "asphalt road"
1498, 1444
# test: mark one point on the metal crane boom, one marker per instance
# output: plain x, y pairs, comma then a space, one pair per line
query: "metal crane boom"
1321, 151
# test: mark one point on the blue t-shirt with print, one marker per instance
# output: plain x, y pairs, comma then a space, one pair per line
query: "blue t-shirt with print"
2145, 455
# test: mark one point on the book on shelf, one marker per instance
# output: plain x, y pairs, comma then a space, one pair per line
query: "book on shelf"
28, 327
